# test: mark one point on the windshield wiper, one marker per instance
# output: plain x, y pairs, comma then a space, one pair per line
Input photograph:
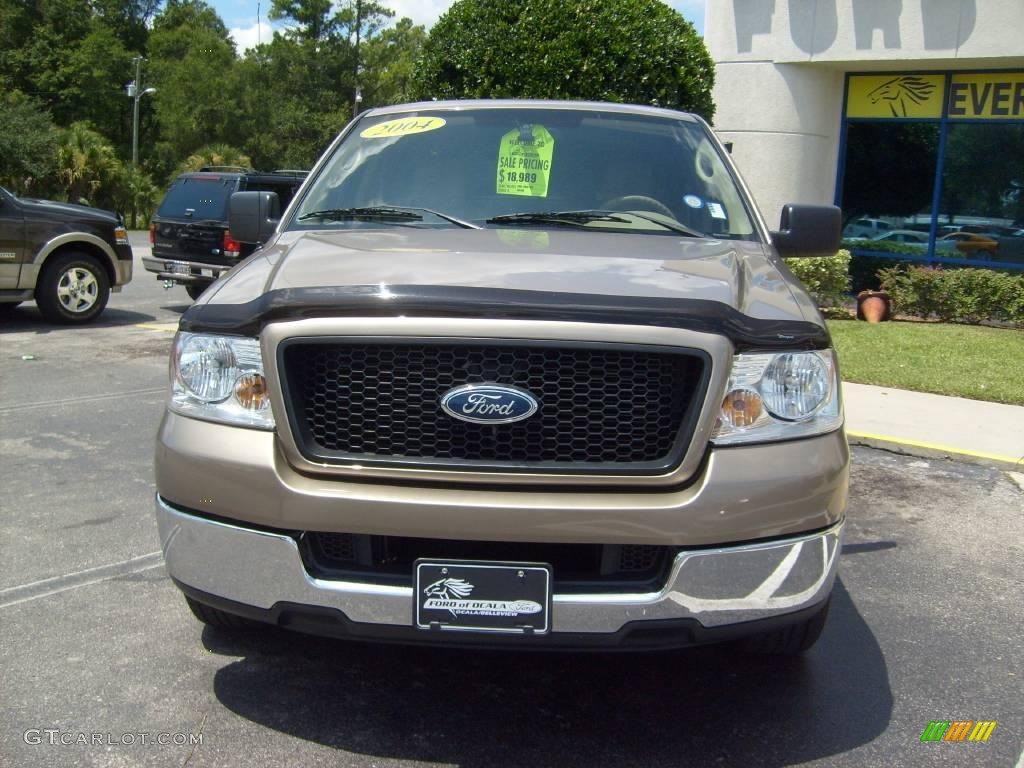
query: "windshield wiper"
385, 212
379, 212
447, 217
583, 218
675, 226
568, 218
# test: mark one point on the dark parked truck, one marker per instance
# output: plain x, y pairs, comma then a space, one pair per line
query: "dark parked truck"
66, 257
529, 374
191, 242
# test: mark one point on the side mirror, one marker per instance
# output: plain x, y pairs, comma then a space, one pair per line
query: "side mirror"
253, 216
808, 230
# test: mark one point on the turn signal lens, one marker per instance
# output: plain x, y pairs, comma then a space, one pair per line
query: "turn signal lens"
251, 392
741, 407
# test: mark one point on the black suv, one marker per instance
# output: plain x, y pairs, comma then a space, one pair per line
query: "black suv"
191, 242
66, 257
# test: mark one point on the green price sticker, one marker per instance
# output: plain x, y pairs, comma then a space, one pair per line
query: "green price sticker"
524, 161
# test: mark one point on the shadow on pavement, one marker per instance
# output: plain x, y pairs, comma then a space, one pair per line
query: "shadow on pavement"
28, 318
705, 706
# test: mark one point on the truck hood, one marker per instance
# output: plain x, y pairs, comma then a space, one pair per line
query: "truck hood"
53, 210
735, 273
729, 287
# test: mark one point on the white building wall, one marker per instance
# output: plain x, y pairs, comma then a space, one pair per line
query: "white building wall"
781, 66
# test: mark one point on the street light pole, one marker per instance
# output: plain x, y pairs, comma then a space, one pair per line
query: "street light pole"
357, 99
135, 94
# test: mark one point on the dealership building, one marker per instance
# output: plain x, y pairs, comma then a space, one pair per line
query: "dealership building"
909, 114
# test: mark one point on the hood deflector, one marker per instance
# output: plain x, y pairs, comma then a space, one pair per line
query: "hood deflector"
746, 333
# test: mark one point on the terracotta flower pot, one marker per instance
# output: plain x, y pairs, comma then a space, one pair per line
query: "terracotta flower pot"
873, 306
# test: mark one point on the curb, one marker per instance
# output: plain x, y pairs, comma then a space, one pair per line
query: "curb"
931, 451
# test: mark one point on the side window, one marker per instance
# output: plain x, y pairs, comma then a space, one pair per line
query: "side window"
285, 188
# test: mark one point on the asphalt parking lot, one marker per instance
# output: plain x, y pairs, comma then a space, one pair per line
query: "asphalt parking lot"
96, 643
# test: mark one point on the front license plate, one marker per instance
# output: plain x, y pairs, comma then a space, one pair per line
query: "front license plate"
472, 596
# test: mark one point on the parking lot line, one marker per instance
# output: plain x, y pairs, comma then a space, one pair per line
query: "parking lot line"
963, 454
84, 399
46, 587
169, 327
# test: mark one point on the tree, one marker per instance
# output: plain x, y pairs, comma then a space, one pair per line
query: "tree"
389, 62
214, 154
889, 169
135, 193
192, 63
298, 90
128, 19
87, 170
28, 139
287, 121
638, 51
68, 58
983, 168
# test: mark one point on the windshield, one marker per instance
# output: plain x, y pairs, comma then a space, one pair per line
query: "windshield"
527, 167
198, 198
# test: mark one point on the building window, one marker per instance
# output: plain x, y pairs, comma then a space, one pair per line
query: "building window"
932, 167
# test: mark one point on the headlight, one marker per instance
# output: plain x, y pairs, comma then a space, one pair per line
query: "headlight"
220, 378
779, 397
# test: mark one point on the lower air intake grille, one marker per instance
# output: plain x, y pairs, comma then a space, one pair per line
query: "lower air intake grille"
576, 567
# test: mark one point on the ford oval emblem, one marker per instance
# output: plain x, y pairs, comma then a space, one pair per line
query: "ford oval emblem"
489, 404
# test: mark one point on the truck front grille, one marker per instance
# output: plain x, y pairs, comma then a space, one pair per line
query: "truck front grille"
620, 408
576, 567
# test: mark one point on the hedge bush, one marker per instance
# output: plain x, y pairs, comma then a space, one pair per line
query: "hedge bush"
955, 295
864, 269
884, 246
632, 51
826, 279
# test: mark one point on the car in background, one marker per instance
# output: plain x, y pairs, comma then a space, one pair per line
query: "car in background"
67, 257
192, 245
903, 236
913, 237
969, 243
865, 229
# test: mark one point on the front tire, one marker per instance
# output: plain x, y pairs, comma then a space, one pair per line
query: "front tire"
788, 641
195, 290
73, 289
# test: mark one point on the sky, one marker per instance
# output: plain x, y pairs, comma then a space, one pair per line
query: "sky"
241, 16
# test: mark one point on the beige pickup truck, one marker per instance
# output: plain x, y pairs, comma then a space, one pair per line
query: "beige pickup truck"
528, 374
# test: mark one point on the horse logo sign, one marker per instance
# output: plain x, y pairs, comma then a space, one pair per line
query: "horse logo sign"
895, 96
899, 91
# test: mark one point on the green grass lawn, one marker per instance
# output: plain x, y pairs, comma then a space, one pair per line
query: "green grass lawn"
967, 361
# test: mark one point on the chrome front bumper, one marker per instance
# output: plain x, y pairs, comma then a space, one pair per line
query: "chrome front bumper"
715, 586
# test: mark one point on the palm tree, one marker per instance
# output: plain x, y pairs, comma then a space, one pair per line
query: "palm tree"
87, 169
